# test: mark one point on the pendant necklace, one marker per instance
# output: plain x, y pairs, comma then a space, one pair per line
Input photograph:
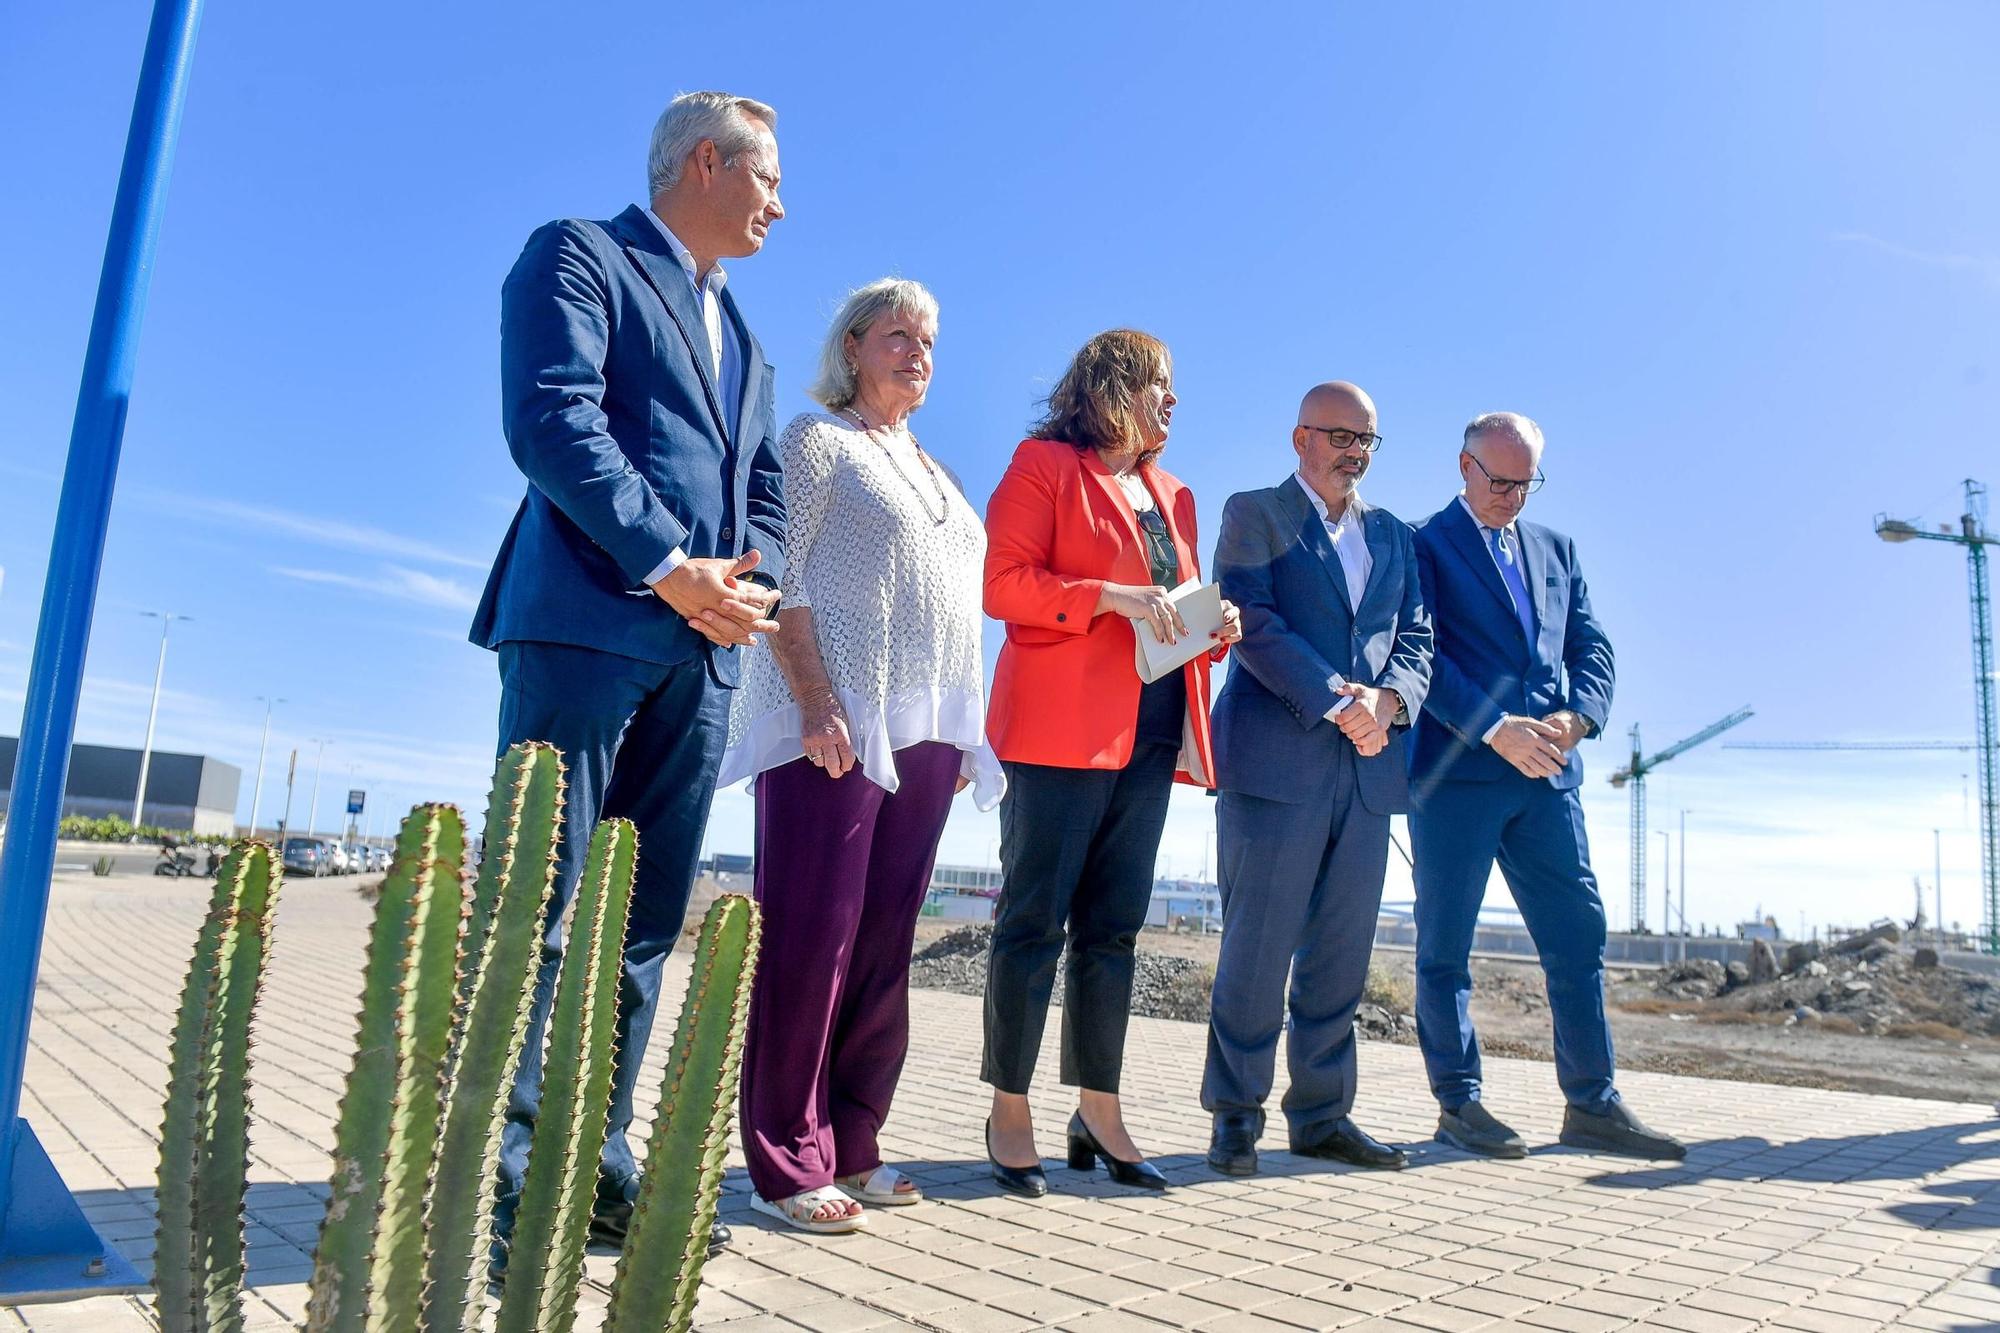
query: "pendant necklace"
944, 501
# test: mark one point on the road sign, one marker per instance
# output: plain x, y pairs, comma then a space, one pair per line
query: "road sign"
355, 800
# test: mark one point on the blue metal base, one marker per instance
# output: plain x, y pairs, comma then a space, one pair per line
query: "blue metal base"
48, 1249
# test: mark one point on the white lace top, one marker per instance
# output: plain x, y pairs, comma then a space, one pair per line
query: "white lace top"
895, 598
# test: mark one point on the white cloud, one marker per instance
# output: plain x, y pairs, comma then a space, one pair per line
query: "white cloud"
1984, 267
396, 583
324, 531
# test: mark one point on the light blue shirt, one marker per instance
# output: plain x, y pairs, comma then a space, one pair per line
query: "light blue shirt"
1513, 536
725, 363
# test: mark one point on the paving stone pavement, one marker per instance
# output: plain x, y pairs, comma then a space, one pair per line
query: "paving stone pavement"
1797, 1209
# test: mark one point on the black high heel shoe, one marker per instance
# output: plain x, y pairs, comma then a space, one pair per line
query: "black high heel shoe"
1027, 1181
1085, 1150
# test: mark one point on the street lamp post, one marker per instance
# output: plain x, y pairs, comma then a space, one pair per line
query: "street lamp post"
291, 777
1937, 882
257, 792
312, 815
166, 619
1684, 886
1666, 877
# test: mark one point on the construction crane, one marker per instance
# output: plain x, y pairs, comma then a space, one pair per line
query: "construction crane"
1848, 745
1972, 535
1635, 774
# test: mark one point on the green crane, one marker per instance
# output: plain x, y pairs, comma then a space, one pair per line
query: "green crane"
1635, 774
1971, 533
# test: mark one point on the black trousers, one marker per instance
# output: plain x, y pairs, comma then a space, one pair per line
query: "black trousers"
1077, 847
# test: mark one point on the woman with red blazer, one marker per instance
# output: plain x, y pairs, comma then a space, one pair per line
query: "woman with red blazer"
1085, 537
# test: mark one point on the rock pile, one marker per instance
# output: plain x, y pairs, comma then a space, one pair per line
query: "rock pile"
1865, 981
1162, 986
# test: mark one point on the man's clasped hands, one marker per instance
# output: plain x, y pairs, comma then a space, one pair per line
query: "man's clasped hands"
717, 601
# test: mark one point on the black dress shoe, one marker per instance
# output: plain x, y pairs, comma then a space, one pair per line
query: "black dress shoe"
609, 1222
1345, 1141
1085, 1152
1616, 1130
1473, 1128
1232, 1143
1027, 1181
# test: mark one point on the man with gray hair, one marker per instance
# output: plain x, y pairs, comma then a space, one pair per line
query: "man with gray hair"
645, 553
1522, 672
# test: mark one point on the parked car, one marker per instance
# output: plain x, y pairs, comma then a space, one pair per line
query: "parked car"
306, 856
379, 858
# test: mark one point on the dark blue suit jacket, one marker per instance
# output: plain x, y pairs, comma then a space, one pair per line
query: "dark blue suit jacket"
1485, 666
1275, 561
616, 423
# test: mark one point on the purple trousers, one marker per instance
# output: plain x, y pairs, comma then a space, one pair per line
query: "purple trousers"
842, 869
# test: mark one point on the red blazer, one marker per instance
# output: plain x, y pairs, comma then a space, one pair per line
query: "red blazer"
1065, 691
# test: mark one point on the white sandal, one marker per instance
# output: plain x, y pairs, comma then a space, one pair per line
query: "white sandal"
879, 1187
798, 1210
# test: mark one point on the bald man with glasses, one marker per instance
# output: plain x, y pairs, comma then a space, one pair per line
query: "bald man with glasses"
1333, 664
1523, 671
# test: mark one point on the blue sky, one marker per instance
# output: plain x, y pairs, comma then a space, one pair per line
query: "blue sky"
1740, 261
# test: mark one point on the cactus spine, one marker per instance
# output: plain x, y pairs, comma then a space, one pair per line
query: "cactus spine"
204, 1142
546, 1262
368, 1268
503, 949
659, 1274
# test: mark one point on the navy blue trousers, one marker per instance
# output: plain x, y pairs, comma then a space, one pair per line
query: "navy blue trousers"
641, 742
1301, 890
1457, 830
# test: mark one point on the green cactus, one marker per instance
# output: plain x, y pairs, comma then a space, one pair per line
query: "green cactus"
425, 1103
370, 1253
496, 990
659, 1274
545, 1266
204, 1141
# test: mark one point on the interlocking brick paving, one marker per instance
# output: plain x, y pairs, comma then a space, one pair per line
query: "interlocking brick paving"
1797, 1209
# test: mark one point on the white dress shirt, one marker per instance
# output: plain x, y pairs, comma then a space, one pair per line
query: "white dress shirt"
1349, 543
725, 363
1351, 546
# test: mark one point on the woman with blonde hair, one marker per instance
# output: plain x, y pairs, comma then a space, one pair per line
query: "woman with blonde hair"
860, 723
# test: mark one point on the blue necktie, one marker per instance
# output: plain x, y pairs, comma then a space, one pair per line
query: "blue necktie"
1507, 553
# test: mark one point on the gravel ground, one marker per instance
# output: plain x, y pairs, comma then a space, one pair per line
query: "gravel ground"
1741, 1037
1163, 986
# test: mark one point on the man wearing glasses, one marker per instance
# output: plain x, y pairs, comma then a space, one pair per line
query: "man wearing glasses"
1334, 662
1522, 673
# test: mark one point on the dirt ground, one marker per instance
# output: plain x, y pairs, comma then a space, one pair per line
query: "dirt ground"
1705, 1041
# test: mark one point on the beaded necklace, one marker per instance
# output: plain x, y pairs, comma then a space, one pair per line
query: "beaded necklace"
944, 501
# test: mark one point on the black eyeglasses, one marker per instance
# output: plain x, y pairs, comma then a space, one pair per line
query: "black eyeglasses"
1339, 438
1502, 485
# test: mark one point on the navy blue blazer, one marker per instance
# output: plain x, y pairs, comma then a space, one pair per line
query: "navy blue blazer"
614, 419
1485, 665
1301, 637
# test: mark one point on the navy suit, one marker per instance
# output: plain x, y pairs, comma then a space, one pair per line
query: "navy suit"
1470, 806
612, 411
1302, 820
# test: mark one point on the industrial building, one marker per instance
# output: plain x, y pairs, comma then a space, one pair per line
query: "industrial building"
183, 791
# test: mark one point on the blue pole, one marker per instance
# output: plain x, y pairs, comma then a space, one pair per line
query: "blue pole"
47, 1250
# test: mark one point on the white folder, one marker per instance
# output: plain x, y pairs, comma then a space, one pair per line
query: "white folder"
1200, 605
